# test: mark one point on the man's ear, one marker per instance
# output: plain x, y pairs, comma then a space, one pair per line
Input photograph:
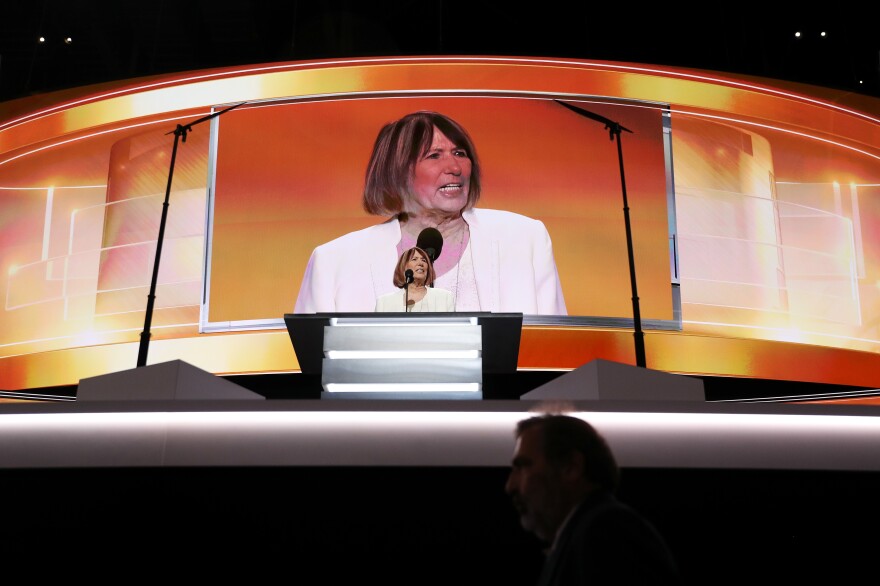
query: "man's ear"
574, 466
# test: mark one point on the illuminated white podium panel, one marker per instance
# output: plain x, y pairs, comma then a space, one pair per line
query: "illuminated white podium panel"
404, 355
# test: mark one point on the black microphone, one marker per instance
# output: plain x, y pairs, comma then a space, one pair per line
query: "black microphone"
431, 242
409, 275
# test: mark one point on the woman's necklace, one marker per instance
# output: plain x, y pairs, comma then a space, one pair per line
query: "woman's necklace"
415, 293
456, 242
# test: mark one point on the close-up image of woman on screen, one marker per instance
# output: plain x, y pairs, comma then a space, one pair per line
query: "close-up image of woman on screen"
425, 174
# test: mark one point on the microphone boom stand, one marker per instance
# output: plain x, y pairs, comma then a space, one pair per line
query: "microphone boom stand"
179, 134
614, 130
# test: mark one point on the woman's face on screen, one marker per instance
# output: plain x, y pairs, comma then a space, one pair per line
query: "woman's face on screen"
441, 179
419, 266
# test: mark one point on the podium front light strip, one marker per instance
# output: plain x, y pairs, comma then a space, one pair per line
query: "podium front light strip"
426, 388
428, 354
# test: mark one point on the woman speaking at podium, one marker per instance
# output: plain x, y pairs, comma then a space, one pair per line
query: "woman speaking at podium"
424, 174
414, 278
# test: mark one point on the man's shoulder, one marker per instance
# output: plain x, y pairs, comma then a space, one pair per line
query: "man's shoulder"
615, 540
604, 515
606, 507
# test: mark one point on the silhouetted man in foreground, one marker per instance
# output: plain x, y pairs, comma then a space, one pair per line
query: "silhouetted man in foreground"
562, 483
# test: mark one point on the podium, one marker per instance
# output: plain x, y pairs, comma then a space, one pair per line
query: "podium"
404, 355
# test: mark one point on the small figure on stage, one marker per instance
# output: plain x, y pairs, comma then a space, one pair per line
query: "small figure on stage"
414, 277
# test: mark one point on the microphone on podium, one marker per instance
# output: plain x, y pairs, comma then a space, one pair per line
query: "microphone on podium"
408, 278
431, 242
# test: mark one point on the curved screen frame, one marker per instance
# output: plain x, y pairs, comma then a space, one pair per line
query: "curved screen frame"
661, 188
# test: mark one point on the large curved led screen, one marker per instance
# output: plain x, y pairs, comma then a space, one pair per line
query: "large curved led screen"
753, 211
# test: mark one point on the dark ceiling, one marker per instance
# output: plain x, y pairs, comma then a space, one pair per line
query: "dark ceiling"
120, 40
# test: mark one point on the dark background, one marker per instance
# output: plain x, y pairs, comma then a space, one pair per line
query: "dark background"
121, 40
415, 526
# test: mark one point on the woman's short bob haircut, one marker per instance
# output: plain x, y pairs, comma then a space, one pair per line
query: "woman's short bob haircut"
400, 271
398, 147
